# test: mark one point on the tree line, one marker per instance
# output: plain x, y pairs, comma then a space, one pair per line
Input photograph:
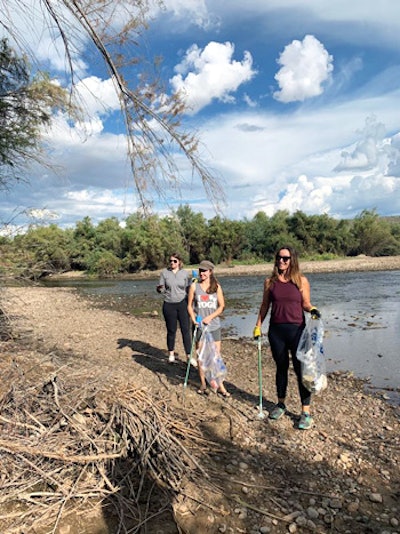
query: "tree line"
144, 242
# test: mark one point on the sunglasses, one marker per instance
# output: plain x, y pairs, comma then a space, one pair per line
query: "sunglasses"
203, 270
173, 261
285, 259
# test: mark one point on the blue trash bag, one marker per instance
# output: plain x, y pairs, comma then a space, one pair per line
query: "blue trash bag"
310, 352
210, 360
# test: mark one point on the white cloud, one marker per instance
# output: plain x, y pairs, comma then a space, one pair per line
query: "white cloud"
98, 97
371, 151
42, 214
344, 197
193, 11
96, 198
394, 164
262, 155
249, 101
302, 195
306, 65
211, 73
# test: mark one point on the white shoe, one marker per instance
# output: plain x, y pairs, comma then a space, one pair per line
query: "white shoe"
171, 358
192, 361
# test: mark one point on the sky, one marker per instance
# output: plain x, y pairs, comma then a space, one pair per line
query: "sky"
296, 105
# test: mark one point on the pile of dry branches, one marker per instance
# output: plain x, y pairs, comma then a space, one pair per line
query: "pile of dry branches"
65, 448
5, 327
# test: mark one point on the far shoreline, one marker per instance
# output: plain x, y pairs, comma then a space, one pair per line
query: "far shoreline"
355, 264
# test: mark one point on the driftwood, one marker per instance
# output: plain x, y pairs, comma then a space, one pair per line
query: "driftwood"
64, 447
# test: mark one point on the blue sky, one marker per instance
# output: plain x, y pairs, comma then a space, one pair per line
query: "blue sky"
296, 107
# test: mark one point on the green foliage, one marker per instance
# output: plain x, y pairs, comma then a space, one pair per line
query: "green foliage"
265, 234
42, 250
26, 105
146, 242
372, 235
194, 232
104, 263
319, 233
225, 239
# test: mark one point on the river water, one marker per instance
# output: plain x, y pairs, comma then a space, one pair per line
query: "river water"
360, 312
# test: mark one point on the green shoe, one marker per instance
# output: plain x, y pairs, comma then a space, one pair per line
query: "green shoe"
306, 421
277, 412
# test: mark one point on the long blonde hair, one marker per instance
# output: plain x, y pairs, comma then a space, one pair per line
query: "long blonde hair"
293, 273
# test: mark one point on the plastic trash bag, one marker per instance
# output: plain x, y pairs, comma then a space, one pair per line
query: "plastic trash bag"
210, 360
310, 352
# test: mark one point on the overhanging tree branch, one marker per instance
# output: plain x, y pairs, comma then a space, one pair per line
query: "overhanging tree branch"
155, 138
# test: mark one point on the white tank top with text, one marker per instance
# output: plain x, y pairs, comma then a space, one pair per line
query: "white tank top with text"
205, 304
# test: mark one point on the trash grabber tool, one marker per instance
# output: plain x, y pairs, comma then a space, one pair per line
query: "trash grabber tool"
261, 414
198, 321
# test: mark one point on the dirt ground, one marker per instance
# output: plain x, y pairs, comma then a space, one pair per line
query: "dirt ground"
258, 476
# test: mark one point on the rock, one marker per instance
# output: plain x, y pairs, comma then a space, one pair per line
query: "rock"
336, 504
292, 516
353, 507
328, 519
345, 458
301, 521
375, 497
312, 512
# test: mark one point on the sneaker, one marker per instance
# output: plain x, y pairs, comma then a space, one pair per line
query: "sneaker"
171, 358
192, 361
277, 412
306, 421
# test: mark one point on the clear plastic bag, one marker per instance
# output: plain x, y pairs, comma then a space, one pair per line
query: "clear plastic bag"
210, 360
310, 352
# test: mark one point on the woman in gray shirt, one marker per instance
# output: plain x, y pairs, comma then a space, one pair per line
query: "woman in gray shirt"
174, 283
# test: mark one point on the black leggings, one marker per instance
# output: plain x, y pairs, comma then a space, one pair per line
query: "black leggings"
175, 312
284, 338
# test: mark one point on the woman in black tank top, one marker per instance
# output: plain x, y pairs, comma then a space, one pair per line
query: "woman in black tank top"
287, 296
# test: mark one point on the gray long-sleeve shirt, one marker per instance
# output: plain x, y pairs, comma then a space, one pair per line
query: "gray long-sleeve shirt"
174, 285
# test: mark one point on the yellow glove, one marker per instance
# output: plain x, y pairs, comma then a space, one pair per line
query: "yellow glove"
257, 332
315, 313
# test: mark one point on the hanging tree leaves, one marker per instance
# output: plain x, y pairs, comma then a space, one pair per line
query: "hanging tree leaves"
154, 134
26, 105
